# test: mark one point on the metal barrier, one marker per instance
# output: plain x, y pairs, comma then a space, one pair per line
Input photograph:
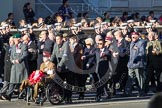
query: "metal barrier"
89, 30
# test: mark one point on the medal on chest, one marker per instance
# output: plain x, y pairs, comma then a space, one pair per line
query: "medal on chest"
18, 51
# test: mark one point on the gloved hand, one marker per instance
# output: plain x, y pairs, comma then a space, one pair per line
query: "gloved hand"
87, 66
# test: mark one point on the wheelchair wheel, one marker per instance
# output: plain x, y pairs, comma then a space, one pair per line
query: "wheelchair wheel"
53, 94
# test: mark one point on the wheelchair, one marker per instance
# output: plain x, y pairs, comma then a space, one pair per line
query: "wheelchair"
51, 92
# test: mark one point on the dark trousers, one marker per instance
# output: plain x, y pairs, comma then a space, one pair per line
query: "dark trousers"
132, 75
68, 76
80, 81
4, 88
32, 66
102, 69
121, 75
12, 87
150, 74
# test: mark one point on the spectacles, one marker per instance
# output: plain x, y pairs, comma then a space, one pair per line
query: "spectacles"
100, 43
88, 44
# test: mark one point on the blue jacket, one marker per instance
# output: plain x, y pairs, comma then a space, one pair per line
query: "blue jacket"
137, 52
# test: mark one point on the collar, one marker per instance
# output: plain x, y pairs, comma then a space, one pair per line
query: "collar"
119, 41
102, 49
60, 45
18, 45
29, 43
74, 45
46, 63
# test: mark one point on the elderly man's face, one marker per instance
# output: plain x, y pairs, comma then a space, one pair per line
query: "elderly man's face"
25, 39
135, 37
16, 41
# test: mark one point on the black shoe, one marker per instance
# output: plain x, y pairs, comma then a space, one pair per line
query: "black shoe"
5, 97
98, 98
1, 98
109, 96
81, 98
142, 94
36, 100
126, 94
68, 101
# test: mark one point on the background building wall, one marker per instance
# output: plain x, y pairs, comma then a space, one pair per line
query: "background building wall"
18, 8
6, 7
15, 6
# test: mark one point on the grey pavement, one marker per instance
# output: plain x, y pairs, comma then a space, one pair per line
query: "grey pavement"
117, 104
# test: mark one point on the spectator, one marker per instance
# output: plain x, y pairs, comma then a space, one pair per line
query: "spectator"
124, 18
10, 20
79, 17
137, 17
106, 17
151, 14
28, 13
86, 16
22, 24
65, 10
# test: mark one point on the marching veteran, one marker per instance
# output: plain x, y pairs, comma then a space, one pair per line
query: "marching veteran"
19, 70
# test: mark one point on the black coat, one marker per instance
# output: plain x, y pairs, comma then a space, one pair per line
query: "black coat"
2, 52
32, 57
48, 46
102, 60
8, 64
90, 61
29, 15
123, 56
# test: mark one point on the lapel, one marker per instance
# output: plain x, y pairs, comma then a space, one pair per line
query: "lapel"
19, 45
97, 54
31, 44
132, 45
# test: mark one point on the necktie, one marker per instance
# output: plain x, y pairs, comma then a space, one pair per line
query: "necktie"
17, 46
